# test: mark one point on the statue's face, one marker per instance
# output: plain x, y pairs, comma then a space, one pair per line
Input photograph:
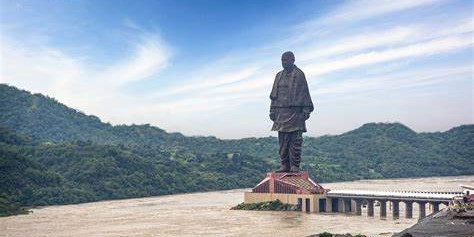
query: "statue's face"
287, 60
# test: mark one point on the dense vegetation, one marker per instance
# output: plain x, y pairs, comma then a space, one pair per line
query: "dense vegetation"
327, 234
42, 173
276, 205
52, 154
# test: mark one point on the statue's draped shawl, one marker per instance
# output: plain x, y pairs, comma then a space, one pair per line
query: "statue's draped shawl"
298, 95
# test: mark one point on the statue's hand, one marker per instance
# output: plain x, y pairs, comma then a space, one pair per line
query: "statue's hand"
273, 116
306, 116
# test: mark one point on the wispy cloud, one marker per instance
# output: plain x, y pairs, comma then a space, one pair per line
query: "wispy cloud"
358, 42
45, 69
393, 81
71, 80
209, 81
420, 49
150, 56
364, 9
351, 13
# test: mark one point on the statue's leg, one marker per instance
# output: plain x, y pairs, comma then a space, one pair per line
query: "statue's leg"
295, 144
283, 140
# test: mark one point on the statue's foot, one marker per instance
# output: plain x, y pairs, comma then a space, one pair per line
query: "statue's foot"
295, 169
283, 169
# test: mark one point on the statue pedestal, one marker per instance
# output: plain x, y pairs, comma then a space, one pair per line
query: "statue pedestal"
286, 182
292, 188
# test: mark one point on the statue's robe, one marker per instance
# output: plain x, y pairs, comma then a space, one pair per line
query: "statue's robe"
290, 100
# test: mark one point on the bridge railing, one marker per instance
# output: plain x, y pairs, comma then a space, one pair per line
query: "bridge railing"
444, 195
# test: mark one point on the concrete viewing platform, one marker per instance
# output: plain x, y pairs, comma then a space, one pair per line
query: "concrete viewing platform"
300, 190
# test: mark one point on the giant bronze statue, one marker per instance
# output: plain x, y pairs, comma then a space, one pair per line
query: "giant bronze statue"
290, 107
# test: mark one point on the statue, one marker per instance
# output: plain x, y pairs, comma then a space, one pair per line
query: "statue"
290, 107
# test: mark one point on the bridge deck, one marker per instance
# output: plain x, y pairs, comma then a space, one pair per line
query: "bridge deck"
394, 195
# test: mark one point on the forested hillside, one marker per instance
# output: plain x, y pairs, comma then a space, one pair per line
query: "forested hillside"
42, 173
52, 154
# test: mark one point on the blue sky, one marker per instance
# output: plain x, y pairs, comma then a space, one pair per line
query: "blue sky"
206, 67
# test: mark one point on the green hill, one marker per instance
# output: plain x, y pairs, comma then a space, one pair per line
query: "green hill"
47, 119
52, 154
44, 173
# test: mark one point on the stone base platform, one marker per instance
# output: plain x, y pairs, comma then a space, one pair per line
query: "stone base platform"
292, 188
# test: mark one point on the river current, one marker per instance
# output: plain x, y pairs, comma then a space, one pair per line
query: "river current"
208, 214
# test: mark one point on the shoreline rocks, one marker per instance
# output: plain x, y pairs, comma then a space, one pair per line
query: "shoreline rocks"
327, 234
445, 223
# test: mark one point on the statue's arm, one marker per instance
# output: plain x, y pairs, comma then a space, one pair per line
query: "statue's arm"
273, 110
273, 114
306, 109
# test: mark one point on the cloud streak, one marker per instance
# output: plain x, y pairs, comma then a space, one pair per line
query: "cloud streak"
394, 81
420, 49
150, 56
50, 71
364, 9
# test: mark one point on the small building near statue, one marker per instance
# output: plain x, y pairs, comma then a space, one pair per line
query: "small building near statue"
292, 188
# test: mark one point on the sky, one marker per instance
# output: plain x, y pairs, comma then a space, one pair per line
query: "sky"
206, 68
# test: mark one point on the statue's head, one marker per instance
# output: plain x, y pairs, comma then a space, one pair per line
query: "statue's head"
287, 59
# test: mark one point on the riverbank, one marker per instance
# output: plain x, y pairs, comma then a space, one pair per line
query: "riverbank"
445, 223
8, 208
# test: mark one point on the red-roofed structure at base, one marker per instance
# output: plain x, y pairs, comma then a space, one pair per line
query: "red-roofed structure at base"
288, 183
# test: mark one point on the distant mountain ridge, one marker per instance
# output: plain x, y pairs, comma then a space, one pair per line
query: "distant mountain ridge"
52, 154
28, 113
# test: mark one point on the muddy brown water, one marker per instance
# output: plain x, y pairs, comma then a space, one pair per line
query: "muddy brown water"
208, 214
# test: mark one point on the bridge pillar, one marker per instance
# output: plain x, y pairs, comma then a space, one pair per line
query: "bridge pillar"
340, 204
370, 207
347, 205
328, 205
408, 209
395, 209
435, 206
422, 209
383, 208
358, 206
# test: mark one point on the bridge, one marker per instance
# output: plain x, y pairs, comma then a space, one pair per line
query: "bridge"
352, 201
300, 190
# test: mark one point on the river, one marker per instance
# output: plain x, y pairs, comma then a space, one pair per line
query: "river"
208, 214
